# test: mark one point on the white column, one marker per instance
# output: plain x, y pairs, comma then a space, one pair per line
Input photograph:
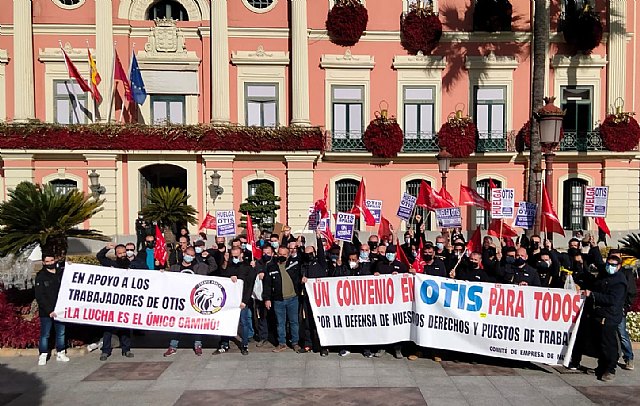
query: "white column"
299, 63
219, 63
104, 52
23, 88
617, 52
106, 166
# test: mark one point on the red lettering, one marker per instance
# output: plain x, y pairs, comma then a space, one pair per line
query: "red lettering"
493, 299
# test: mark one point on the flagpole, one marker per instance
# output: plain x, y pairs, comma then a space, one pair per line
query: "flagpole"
133, 50
501, 226
112, 83
96, 111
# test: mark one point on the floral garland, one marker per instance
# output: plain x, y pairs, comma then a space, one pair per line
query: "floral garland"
383, 137
420, 30
523, 138
131, 137
492, 15
346, 22
582, 28
458, 135
620, 132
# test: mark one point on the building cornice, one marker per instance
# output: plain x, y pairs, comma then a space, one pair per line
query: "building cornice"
578, 61
491, 61
55, 54
347, 61
260, 57
419, 61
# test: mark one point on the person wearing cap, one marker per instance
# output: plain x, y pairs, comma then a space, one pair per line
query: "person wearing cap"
388, 264
203, 257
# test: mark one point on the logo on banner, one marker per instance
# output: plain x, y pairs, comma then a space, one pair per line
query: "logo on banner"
208, 297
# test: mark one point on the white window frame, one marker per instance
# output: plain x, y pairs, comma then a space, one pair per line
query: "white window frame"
490, 134
168, 98
259, 10
82, 96
348, 102
421, 133
262, 101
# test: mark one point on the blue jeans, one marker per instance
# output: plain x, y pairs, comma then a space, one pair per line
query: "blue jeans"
287, 308
197, 341
252, 333
45, 329
245, 325
625, 341
124, 335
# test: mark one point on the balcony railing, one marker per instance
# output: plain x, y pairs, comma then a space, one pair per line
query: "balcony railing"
347, 142
420, 143
495, 141
582, 141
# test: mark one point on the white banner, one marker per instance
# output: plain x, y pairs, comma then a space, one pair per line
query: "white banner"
502, 203
507, 321
226, 223
149, 300
595, 201
449, 218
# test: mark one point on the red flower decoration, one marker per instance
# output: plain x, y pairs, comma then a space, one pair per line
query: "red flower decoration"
383, 137
458, 135
620, 132
420, 31
582, 29
15, 330
523, 138
346, 22
492, 15
133, 137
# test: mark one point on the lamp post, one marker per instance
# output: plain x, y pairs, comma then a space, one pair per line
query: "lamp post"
549, 119
444, 161
215, 189
94, 185
537, 177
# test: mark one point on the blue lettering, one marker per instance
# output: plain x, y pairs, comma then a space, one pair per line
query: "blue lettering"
461, 296
449, 289
426, 296
475, 299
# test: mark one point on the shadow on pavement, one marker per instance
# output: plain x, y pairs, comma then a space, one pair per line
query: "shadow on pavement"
19, 387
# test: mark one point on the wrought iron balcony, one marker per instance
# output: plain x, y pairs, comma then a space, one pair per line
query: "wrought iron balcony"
347, 142
582, 141
420, 143
496, 142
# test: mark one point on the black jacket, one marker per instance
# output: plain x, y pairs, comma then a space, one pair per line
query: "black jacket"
209, 261
632, 289
363, 269
141, 260
608, 293
436, 268
515, 276
316, 267
384, 267
244, 272
272, 282
111, 263
473, 275
198, 269
46, 290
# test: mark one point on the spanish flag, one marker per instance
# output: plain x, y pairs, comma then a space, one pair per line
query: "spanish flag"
95, 79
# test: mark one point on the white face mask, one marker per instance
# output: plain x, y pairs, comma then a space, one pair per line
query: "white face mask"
353, 264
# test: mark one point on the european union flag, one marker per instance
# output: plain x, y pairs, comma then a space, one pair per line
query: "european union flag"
137, 84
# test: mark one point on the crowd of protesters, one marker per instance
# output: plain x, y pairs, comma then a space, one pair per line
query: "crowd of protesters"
276, 309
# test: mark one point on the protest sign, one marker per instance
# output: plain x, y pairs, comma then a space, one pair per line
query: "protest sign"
522, 323
226, 223
407, 204
314, 217
375, 207
344, 226
502, 203
325, 223
526, 215
595, 201
449, 218
149, 300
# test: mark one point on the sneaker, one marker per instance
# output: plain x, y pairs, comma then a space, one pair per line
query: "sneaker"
62, 356
244, 350
128, 354
324, 352
297, 348
221, 350
170, 351
397, 354
607, 377
305, 349
344, 353
280, 348
198, 350
378, 354
437, 359
42, 359
574, 367
367, 354
262, 343
94, 346
628, 365
103, 356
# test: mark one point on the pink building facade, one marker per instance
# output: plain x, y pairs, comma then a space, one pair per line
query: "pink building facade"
271, 63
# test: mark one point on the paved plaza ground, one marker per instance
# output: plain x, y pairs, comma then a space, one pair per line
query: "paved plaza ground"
265, 378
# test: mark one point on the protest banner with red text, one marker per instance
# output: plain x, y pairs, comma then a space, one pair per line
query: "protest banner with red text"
149, 300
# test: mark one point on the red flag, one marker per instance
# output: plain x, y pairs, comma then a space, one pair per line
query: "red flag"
430, 199
160, 250
384, 229
491, 184
359, 205
119, 74
251, 239
400, 254
475, 243
507, 230
95, 78
74, 74
602, 225
549, 216
469, 197
328, 237
208, 222
321, 204
446, 197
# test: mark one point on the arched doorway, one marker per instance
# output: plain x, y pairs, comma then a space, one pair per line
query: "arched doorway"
160, 175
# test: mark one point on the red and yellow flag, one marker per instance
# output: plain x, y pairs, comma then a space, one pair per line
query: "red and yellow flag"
95, 78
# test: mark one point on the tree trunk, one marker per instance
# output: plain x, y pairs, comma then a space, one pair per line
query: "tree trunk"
540, 43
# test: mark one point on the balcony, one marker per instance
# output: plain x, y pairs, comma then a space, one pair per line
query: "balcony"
496, 141
347, 142
582, 141
421, 143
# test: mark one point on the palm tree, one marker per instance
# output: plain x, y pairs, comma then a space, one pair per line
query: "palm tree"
40, 214
168, 206
631, 245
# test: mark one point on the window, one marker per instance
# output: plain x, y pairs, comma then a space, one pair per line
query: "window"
413, 188
63, 186
261, 104
418, 112
70, 104
347, 102
483, 217
577, 102
167, 9
260, 4
69, 2
573, 190
489, 111
167, 109
345, 195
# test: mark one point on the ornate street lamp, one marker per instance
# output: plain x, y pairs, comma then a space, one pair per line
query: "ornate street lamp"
215, 189
94, 185
537, 177
444, 161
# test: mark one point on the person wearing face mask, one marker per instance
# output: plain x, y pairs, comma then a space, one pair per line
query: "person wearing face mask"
313, 266
175, 256
472, 271
265, 318
247, 253
188, 266
141, 231
440, 251
47, 287
218, 250
287, 237
454, 257
145, 257
408, 246
520, 273
121, 262
548, 269
605, 297
432, 265
281, 288
389, 264
274, 241
203, 257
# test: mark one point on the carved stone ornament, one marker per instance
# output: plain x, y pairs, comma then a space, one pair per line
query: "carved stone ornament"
165, 37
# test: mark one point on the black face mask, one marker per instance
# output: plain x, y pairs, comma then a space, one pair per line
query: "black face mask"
519, 262
535, 245
151, 244
266, 257
543, 264
282, 259
574, 252
510, 260
309, 257
123, 262
475, 265
373, 245
427, 257
220, 245
49, 266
